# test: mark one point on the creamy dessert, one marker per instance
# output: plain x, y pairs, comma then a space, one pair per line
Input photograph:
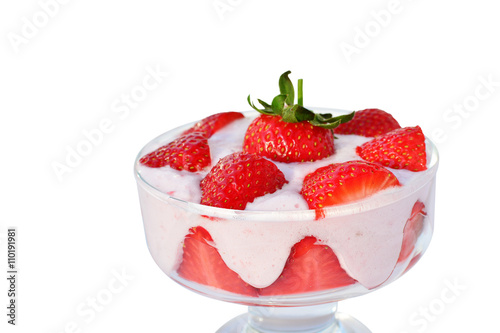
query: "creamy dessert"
288, 201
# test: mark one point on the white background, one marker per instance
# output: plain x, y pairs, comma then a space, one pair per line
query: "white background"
66, 67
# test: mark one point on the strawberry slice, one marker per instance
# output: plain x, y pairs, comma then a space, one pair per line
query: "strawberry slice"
402, 148
310, 267
413, 261
202, 263
369, 123
214, 123
238, 179
341, 183
412, 230
189, 152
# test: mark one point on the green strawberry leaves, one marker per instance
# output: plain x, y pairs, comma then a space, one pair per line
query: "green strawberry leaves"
297, 113
266, 110
286, 87
278, 103
283, 105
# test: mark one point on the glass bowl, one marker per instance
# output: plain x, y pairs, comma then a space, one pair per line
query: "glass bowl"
376, 241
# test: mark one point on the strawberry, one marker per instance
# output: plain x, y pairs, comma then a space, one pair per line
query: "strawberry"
189, 152
310, 267
281, 141
412, 230
288, 132
202, 263
402, 148
413, 261
341, 183
215, 122
238, 179
369, 123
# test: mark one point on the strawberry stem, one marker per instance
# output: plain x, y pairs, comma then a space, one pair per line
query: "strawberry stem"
300, 97
283, 106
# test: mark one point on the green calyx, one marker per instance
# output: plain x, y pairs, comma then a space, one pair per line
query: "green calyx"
283, 105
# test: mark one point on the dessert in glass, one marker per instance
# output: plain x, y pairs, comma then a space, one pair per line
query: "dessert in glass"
288, 211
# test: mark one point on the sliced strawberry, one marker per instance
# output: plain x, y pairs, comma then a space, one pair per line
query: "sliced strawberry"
402, 148
202, 263
272, 137
238, 179
189, 152
412, 230
215, 122
369, 123
345, 182
310, 267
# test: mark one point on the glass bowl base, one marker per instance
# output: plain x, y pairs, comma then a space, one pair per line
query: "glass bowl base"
308, 319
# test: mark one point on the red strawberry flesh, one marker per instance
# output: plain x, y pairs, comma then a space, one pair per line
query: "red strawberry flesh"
346, 182
202, 263
369, 123
402, 148
214, 123
272, 137
189, 152
238, 179
413, 229
311, 267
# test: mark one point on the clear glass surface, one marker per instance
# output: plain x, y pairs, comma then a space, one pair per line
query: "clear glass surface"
375, 225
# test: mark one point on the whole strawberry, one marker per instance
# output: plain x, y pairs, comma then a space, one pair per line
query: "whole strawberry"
238, 179
281, 141
369, 123
288, 132
189, 152
402, 148
341, 183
